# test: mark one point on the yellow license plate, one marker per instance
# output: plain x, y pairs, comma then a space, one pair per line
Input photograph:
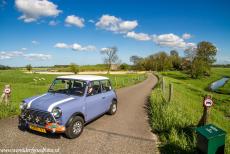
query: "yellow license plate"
37, 129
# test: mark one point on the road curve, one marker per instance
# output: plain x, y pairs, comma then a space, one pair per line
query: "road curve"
127, 131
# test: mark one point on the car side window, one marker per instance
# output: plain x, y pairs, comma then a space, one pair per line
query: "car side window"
94, 88
105, 85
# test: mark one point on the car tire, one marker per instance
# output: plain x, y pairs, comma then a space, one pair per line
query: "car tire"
22, 124
75, 128
113, 108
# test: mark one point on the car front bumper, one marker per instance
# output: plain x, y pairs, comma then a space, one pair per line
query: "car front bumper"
53, 127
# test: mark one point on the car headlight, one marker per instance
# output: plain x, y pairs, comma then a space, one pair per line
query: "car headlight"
57, 112
23, 106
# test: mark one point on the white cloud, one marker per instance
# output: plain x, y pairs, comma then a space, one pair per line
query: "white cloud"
10, 54
186, 36
32, 10
138, 36
31, 56
75, 47
91, 21
171, 40
74, 20
37, 56
117, 25
53, 23
24, 49
35, 42
104, 49
78, 47
61, 45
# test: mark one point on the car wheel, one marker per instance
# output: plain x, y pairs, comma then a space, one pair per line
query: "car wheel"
113, 108
22, 124
75, 128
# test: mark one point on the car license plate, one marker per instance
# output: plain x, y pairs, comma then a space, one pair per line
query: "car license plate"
37, 129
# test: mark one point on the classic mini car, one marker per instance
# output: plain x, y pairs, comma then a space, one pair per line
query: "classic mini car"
70, 103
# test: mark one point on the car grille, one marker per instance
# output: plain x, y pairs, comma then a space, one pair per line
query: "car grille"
37, 117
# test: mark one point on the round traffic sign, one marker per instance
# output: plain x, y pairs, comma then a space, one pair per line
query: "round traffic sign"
208, 102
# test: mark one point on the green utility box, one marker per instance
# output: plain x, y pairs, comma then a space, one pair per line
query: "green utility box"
210, 139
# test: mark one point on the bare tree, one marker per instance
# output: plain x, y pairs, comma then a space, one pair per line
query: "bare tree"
110, 56
29, 67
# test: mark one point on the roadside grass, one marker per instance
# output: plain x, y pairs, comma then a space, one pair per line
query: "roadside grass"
174, 122
25, 85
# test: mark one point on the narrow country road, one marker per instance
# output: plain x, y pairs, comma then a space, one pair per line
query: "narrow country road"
126, 132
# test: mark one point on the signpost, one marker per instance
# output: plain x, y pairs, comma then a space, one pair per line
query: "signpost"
207, 103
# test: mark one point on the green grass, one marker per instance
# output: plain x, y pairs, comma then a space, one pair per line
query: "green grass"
23, 86
175, 121
225, 89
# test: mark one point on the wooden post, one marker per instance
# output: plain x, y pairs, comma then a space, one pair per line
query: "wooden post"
115, 81
163, 85
170, 92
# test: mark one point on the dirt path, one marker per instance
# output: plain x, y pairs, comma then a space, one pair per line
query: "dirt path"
127, 131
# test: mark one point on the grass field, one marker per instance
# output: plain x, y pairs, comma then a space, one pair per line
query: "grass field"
25, 85
175, 121
225, 89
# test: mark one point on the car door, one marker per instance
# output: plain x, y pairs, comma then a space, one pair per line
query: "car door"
107, 94
93, 100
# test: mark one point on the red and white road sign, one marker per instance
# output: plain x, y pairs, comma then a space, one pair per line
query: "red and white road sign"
208, 102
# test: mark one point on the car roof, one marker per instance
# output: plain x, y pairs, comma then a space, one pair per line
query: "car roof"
83, 77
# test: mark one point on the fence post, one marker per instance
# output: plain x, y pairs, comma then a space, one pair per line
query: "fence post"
170, 92
163, 85
116, 81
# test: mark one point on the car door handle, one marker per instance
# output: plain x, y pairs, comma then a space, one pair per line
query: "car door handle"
103, 97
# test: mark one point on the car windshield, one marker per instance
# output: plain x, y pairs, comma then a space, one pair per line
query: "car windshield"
68, 86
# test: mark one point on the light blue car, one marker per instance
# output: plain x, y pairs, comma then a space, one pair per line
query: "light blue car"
70, 103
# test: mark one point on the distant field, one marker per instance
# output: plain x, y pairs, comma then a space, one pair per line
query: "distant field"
174, 121
26, 85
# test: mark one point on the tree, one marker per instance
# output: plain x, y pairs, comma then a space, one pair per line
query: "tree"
206, 51
175, 59
163, 61
135, 59
138, 62
110, 56
174, 53
74, 68
124, 66
198, 68
190, 53
29, 67
201, 58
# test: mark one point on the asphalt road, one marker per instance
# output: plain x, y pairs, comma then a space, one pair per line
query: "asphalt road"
125, 132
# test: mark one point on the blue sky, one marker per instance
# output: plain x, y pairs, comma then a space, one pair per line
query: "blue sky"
49, 32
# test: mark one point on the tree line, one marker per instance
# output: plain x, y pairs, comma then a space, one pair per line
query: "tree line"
197, 60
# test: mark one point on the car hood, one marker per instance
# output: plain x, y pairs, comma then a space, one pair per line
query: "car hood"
48, 101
